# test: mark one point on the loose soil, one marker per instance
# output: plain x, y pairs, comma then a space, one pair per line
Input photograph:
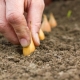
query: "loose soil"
58, 56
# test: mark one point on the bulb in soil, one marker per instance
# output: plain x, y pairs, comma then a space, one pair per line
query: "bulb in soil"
45, 24
28, 50
41, 35
52, 21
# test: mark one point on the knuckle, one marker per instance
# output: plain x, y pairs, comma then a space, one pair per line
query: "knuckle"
13, 18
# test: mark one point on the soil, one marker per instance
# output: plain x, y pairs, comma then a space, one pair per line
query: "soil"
58, 56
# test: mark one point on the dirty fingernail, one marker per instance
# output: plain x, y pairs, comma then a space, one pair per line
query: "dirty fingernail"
24, 42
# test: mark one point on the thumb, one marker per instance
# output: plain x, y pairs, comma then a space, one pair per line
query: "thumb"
34, 18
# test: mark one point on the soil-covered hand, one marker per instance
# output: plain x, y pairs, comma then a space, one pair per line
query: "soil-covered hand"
15, 26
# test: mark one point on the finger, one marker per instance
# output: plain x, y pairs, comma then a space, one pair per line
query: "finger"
15, 16
4, 27
34, 18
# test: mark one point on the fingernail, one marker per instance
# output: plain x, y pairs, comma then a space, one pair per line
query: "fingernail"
37, 39
24, 42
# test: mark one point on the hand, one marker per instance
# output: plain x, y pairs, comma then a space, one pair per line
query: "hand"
15, 26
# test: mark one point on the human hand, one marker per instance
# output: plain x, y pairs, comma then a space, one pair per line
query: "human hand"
15, 26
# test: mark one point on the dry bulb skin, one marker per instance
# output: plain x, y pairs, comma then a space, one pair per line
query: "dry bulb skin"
45, 24
52, 21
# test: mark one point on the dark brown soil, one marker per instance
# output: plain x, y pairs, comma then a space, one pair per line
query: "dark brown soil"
58, 56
